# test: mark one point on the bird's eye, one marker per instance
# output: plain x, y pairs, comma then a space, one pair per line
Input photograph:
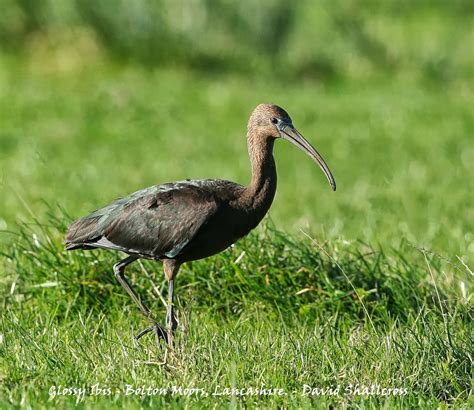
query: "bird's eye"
274, 120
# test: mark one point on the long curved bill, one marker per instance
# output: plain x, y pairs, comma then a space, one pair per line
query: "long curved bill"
289, 133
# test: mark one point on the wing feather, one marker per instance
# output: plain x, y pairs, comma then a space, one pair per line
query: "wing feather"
155, 222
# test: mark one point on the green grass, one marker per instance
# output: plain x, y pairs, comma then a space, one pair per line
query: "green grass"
281, 316
279, 309
400, 150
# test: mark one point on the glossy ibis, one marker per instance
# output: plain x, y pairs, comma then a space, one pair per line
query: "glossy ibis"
183, 221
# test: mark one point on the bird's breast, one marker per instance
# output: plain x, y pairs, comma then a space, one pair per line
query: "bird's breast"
225, 228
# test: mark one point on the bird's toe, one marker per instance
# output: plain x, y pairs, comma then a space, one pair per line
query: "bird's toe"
160, 333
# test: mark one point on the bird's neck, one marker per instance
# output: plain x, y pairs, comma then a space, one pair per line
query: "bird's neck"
260, 192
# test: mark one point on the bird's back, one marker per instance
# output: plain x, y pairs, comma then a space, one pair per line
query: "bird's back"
156, 222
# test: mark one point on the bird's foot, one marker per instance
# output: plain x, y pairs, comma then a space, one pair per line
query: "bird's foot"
160, 333
171, 325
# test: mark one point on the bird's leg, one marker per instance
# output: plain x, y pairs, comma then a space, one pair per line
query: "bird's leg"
119, 269
171, 268
171, 322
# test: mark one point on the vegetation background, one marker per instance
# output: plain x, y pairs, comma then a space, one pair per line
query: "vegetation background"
371, 284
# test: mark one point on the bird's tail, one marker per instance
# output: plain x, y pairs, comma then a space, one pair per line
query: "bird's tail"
81, 233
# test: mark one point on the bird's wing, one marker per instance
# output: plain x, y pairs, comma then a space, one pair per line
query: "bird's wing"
156, 221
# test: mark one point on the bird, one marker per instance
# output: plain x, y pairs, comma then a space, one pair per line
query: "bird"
183, 221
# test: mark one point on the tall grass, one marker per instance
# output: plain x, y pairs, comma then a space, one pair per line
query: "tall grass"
272, 311
95, 103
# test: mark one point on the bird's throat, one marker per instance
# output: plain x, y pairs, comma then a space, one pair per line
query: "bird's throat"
260, 192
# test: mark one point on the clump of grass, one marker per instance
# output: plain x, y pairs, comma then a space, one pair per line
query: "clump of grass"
272, 311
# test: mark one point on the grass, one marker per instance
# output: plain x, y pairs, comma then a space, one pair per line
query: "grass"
393, 308
400, 149
279, 316
283, 316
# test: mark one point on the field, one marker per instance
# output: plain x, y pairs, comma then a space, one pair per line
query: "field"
370, 287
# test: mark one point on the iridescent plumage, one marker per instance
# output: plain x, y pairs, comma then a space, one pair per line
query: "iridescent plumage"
158, 222
187, 220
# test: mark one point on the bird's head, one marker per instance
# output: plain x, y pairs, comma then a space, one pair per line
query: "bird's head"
272, 121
